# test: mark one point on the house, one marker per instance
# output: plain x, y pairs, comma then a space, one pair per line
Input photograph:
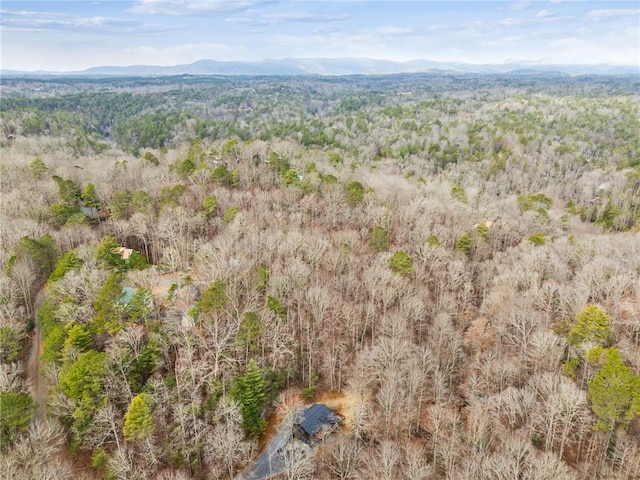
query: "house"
315, 423
95, 214
127, 295
124, 252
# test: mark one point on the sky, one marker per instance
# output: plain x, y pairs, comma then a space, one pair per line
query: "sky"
77, 34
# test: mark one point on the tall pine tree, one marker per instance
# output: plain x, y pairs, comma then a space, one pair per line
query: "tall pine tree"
614, 390
250, 390
592, 325
138, 423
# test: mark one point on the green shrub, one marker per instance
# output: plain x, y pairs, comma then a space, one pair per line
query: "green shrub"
66, 262
433, 241
278, 163
291, 177
355, 193
214, 297
82, 379
150, 158
274, 305
10, 344
328, 179
209, 206
78, 339
592, 325
336, 158
108, 256
170, 195
401, 263
538, 202
483, 231
570, 367
38, 168
537, 239
140, 305
222, 176
41, 251
53, 333
250, 330
262, 277
465, 243
17, 409
138, 422
458, 193
608, 217
614, 391
230, 213
378, 239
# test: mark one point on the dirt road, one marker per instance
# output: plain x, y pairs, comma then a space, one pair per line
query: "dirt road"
34, 372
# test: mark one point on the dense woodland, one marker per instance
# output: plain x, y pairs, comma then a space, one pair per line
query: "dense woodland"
184, 259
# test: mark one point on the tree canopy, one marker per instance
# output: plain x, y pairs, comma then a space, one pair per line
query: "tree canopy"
138, 422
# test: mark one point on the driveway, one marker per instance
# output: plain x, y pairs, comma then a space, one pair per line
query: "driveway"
280, 455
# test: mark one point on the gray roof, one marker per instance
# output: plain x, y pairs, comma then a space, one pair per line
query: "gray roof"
127, 295
90, 211
315, 417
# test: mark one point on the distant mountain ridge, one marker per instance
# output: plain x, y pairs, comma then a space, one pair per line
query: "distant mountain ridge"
332, 66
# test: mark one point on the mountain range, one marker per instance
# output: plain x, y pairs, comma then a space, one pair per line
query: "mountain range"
331, 66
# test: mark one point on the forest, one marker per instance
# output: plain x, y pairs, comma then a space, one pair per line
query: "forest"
451, 260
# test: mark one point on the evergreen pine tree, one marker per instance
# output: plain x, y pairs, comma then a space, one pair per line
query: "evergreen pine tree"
38, 168
250, 390
90, 197
614, 390
401, 263
16, 410
138, 423
378, 239
465, 243
140, 305
592, 325
209, 205
214, 297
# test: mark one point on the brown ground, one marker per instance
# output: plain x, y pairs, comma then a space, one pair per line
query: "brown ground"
344, 404
35, 375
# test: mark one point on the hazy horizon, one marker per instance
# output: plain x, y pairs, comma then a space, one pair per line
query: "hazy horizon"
68, 36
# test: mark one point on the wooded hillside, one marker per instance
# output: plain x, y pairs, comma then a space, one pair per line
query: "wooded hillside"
458, 255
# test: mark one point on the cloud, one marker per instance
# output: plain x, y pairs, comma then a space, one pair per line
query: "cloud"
542, 17
285, 17
304, 17
27, 21
612, 13
510, 40
193, 7
477, 27
544, 14
521, 5
392, 30
566, 43
27, 13
471, 28
511, 22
